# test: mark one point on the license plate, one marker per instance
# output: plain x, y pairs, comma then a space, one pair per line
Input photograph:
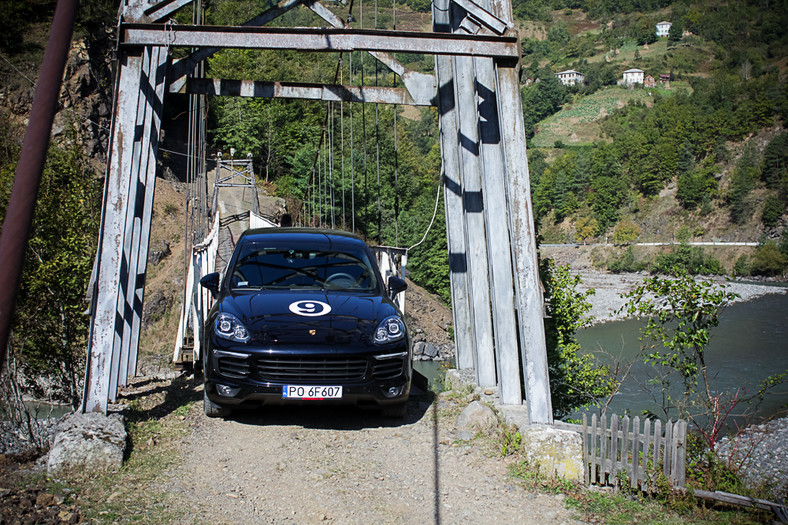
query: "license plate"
311, 392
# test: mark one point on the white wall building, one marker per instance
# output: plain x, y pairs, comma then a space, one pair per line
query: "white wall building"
570, 77
663, 28
632, 76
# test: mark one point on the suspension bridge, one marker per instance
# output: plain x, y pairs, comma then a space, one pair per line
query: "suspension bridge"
496, 295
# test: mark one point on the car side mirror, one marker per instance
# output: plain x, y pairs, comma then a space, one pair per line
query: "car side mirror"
211, 282
396, 285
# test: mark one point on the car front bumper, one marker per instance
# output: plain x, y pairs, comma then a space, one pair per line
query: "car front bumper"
252, 377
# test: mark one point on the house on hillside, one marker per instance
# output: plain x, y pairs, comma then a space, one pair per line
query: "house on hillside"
663, 28
632, 76
570, 77
649, 81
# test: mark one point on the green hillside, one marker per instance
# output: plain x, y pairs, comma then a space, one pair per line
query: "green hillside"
703, 153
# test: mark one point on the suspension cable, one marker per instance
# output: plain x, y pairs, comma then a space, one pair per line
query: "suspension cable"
434, 212
352, 159
331, 161
342, 143
377, 142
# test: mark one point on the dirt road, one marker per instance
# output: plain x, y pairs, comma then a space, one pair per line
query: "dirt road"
336, 465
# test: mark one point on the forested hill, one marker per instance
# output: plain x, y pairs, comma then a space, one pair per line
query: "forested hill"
699, 156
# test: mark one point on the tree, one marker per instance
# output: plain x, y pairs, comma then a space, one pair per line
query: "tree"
50, 327
542, 99
585, 227
678, 316
576, 379
676, 32
775, 161
773, 209
768, 260
742, 183
625, 232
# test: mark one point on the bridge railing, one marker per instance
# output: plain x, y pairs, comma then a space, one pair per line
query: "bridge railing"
197, 301
392, 262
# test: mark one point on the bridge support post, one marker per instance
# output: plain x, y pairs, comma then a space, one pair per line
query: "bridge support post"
121, 262
486, 171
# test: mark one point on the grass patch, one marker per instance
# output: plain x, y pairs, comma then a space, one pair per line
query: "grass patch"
577, 123
138, 492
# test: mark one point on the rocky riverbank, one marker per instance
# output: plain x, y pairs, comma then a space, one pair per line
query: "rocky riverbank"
608, 288
760, 455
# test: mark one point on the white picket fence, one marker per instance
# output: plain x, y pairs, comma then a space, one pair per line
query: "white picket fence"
630, 451
638, 453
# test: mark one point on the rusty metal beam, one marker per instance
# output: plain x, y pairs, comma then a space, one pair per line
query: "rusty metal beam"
21, 204
335, 93
421, 86
482, 16
319, 39
163, 10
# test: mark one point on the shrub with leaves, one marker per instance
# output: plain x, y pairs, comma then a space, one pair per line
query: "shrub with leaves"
576, 380
679, 314
50, 326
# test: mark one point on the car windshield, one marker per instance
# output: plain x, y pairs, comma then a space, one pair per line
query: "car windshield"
258, 266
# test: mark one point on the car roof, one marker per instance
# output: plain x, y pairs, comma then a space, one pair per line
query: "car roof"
300, 234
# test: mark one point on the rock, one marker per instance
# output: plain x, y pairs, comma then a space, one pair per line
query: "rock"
89, 442
430, 350
465, 435
155, 307
418, 348
477, 416
555, 452
156, 256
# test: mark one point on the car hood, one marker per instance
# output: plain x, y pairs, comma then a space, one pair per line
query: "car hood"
308, 317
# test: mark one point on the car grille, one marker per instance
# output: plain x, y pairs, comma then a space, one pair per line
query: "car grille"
282, 369
233, 365
387, 369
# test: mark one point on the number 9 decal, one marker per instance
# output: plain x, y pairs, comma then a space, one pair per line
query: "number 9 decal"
310, 308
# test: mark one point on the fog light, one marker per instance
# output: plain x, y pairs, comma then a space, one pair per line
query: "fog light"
227, 391
394, 391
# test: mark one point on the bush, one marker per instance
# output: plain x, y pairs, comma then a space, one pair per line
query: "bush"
742, 267
576, 379
687, 259
626, 232
768, 260
625, 262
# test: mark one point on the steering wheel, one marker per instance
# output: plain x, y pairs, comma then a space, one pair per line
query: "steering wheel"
344, 279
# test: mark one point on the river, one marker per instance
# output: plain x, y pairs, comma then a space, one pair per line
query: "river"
750, 344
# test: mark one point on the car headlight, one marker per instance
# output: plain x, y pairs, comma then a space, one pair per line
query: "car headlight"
391, 329
228, 326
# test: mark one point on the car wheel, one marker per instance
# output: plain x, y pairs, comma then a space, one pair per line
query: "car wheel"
212, 409
397, 411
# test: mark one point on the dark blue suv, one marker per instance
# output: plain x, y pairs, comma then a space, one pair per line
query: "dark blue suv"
302, 316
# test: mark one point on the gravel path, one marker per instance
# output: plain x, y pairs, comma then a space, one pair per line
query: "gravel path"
324, 465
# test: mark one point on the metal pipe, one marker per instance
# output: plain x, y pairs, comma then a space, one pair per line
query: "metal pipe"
21, 204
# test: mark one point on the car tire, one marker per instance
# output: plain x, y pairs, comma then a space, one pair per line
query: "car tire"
397, 411
212, 409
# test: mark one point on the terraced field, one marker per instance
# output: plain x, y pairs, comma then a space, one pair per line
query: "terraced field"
578, 122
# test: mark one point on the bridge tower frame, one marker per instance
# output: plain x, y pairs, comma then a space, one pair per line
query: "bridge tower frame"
496, 294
